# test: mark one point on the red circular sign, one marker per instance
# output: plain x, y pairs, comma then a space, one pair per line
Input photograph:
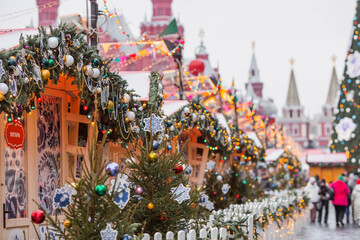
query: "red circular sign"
14, 135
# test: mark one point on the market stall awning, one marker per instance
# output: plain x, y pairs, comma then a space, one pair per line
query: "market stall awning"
138, 81
326, 158
222, 121
254, 137
273, 154
172, 106
9, 38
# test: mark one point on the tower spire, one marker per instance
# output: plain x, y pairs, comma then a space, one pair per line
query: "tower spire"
293, 95
254, 73
334, 86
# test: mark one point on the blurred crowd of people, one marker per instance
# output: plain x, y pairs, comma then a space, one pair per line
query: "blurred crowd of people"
344, 194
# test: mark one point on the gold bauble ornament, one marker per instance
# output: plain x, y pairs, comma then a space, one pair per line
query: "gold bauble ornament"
144, 105
84, 68
64, 58
150, 206
127, 119
1, 97
45, 74
67, 223
110, 104
152, 157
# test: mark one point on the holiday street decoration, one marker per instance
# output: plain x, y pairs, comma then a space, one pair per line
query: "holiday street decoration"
210, 165
112, 168
38, 216
63, 54
345, 128
109, 233
153, 124
63, 196
181, 193
120, 188
205, 202
346, 133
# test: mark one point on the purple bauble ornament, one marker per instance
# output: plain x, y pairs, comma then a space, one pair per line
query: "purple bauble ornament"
26, 47
112, 168
139, 190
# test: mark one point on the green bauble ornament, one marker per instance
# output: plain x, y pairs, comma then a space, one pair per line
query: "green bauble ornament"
96, 62
100, 190
51, 63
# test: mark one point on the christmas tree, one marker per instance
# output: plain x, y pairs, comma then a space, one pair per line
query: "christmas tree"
92, 205
346, 130
165, 202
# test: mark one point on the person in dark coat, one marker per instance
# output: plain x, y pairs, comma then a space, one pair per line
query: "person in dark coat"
325, 194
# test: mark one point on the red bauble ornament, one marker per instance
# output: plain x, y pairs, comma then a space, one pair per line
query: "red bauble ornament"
178, 169
163, 216
237, 196
196, 66
38, 216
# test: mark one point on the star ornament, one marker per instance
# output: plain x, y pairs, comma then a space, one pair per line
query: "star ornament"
181, 193
108, 233
156, 124
210, 165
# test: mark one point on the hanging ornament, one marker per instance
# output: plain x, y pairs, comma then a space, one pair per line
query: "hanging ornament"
112, 168
67, 224
51, 63
63, 196
152, 157
126, 237
13, 87
18, 70
225, 188
69, 60
181, 193
155, 145
1, 97
110, 104
3, 88
219, 178
12, 62
45, 74
188, 170
130, 115
126, 98
210, 165
96, 63
163, 216
96, 73
109, 233
53, 42
196, 67
169, 147
38, 216
139, 190
120, 187
186, 110
150, 206
178, 169
100, 190
344, 129
353, 65
156, 124
89, 70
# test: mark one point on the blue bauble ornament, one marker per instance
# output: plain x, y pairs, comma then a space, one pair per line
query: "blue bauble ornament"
169, 147
12, 62
96, 63
155, 145
45, 63
112, 168
126, 237
169, 124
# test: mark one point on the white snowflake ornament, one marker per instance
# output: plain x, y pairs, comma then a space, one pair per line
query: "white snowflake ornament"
350, 96
353, 65
225, 188
345, 128
181, 193
156, 124
109, 233
63, 196
121, 187
210, 165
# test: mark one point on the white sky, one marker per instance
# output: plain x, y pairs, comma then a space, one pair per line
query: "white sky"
311, 31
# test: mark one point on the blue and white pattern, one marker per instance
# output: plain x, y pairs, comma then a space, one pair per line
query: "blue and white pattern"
48, 233
121, 188
353, 65
210, 165
181, 193
63, 196
225, 188
188, 170
204, 201
109, 233
156, 124
16, 234
345, 128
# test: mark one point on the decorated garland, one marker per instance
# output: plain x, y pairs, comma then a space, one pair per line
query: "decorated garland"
63, 54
